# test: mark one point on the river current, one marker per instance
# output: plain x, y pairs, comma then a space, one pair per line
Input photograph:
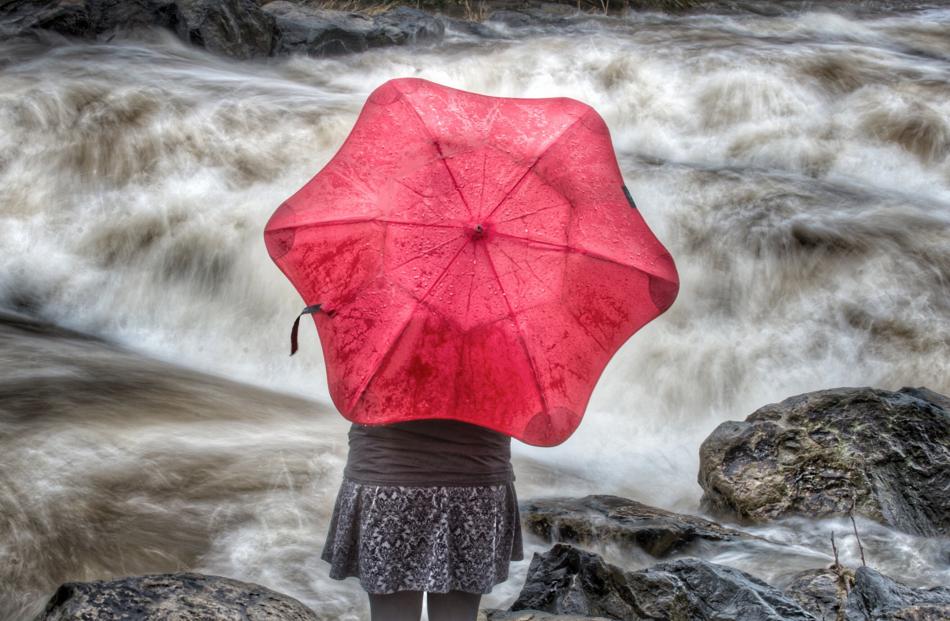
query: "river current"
796, 165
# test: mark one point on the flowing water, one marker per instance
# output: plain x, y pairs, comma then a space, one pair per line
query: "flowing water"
795, 164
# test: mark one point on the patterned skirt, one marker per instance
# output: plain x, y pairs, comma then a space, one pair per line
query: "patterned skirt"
436, 539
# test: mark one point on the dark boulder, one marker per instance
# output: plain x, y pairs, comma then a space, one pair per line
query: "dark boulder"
533, 615
470, 28
566, 580
172, 596
115, 16
865, 594
812, 453
821, 591
318, 32
603, 518
875, 597
535, 14
406, 25
325, 32
85, 19
236, 28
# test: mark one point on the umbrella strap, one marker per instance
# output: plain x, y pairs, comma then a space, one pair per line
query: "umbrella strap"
293, 331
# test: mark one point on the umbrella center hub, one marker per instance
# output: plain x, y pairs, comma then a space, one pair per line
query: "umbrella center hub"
478, 230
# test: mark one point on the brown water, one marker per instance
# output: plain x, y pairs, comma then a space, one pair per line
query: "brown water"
795, 165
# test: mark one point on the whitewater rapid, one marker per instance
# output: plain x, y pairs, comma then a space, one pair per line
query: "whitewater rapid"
797, 167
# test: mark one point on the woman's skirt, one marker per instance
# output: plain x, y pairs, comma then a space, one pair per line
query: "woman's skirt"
436, 539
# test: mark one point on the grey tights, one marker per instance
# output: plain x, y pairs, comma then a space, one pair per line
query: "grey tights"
407, 606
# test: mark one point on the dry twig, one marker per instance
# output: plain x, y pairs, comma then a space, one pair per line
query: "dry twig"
855, 527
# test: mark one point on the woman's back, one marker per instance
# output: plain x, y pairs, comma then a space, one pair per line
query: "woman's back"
428, 452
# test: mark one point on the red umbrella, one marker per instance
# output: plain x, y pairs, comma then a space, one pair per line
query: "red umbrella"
471, 257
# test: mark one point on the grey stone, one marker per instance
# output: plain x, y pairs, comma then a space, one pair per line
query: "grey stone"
566, 580
236, 28
324, 32
875, 597
821, 591
604, 518
177, 596
812, 453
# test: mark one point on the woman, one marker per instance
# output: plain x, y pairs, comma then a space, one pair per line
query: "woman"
426, 506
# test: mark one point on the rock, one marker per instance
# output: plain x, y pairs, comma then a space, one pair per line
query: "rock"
875, 597
63, 16
112, 16
864, 594
172, 596
602, 518
324, 32
318, 32
566, 580
406, 25
821, 591
530, 615
809, 454
84, 18
471, 28
525, 18
236, 28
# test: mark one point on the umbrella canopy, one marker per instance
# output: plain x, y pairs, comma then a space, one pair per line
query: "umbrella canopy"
471, 257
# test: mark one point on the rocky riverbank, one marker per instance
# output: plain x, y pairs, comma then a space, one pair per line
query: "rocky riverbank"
257, 29
887, 450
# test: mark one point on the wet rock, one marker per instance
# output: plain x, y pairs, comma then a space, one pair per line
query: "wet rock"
821, 591
172, 596
318, 32
112, 16
811, 453
530, 615
82, 18
566, 580
406, 25
471, 28
864, 594
324, 32
527, 17
875, 597
603, 518
236, 28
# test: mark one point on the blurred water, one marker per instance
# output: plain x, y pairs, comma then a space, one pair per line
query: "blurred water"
796, 166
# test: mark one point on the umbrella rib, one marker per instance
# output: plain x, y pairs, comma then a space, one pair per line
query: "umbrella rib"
425, 252
530, 213
581, 251
402, 330
535, 163
481, 194
524, 345
307, 225
384, 357
528, 265
435, 142
444, 272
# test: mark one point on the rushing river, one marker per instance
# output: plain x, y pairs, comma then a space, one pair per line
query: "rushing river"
797, 166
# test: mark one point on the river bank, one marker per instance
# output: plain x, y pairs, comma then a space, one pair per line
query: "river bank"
246, 29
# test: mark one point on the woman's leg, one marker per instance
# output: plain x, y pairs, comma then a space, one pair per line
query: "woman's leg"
452, 606
398, 606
